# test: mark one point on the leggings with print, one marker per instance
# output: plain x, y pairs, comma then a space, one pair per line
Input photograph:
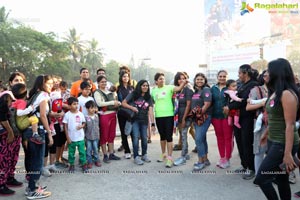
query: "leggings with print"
9, 155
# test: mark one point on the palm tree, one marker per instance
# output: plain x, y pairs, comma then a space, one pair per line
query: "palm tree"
94, 56
3, 15
76, 46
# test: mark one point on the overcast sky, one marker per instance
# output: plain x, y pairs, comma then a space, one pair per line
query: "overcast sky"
169, 32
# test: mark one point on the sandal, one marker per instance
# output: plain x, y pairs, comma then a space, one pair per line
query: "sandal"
177, 147
64, 160
195, 150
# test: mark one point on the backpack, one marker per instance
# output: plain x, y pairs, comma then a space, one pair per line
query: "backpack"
20, 123
107, 97
57, 105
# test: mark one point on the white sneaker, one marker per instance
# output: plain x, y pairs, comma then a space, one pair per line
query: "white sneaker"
39, 188
127, 155
38, 194
145, 158
53, 168
180, 161
222, 160
46, 172
138, 161
225, 165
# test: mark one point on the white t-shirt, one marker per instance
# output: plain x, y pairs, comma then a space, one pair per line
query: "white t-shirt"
81, 102
41, 97
73, 120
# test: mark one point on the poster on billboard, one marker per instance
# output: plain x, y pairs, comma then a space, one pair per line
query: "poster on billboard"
218, 18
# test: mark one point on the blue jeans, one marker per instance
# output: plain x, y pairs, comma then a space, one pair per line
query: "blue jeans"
35, 158
139, 129
269, 171
92, 149
201, 142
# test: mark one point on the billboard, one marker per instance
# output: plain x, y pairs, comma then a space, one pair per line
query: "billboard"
286, 21
218, 18
235, 21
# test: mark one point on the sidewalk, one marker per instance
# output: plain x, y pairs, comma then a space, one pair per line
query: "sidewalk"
125, 180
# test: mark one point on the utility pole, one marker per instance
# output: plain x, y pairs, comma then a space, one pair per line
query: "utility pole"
262, 43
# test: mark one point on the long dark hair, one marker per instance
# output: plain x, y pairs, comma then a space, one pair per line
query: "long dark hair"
260, 79
13, 76
205, 81
137, 92
281, 77
4, 103
247, 69
122, 73
177, 77
39, 84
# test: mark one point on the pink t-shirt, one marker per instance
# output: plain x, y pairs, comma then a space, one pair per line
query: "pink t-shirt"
232, 95
19, 104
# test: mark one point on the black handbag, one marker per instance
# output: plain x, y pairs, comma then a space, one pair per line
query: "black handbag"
127, 113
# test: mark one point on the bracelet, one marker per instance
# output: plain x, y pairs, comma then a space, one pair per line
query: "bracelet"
152, 124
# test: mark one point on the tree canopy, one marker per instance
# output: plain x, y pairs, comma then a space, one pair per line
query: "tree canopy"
32, 52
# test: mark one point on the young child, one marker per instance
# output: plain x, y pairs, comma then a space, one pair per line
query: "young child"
56, 106
74, 122
65, 94
20, 93
84, 97
231, 96
92, 134
60, 147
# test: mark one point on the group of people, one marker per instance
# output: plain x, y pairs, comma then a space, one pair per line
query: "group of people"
259, 110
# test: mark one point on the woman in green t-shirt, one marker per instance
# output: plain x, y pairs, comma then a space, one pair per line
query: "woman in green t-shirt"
283, 140
164, 113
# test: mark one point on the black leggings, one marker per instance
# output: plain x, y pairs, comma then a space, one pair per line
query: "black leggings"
60, 138
269, 171
51, 149
165, 128
122, 122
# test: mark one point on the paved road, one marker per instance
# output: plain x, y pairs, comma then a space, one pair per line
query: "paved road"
125, 180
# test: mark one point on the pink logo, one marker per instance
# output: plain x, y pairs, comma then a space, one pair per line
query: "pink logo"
77, 119
196, 96
272, 103
207, 94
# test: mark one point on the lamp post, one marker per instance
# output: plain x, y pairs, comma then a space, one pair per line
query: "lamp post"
261, 51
